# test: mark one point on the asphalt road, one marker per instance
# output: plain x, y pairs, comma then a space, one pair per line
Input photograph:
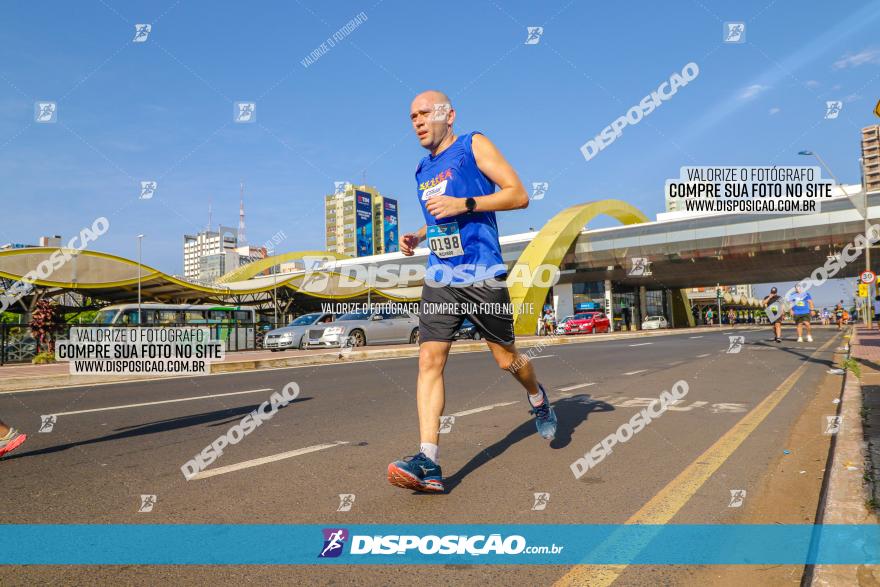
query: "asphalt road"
95, 464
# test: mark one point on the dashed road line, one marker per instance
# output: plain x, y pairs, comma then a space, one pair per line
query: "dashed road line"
264, 460
482, 409
578, 386
167, 401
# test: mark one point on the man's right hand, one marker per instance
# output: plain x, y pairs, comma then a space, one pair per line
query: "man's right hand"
408, 244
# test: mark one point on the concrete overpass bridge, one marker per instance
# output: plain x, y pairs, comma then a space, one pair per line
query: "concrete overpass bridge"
594, 263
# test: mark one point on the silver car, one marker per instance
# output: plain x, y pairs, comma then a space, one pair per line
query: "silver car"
293, 336
363, 328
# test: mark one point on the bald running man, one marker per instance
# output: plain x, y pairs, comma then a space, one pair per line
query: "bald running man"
465, 274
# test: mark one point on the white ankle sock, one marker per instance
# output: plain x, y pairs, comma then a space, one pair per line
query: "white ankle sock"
429, 450
537, 399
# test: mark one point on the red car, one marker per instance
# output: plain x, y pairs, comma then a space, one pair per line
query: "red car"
588, 322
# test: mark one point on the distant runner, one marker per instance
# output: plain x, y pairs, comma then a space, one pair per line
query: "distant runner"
774, 303
802, 309
465, 272
839, 315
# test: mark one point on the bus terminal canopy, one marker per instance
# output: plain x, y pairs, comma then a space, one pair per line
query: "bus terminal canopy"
115, 279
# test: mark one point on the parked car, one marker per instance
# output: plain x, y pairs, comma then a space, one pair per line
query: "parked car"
369, 327
468, 330
654, 322
293, 336
588, 322
560, 327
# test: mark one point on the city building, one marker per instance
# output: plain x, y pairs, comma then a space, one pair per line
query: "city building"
212, 267
871, 158
45, 241
359, 221
248, 254
205, 244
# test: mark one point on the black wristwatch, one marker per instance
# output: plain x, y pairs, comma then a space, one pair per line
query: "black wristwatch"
470, 204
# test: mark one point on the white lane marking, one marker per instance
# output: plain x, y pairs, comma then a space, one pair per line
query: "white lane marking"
578, 386
264, 460
703, 356
641, 344
701, 336
167, 401
674, 363
636, 372
482, 409
585, 340
541, 357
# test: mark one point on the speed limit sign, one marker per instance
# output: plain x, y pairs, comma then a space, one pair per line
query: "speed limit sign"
868, 277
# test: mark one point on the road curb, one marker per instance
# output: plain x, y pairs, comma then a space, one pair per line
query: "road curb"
13, 384
845, 493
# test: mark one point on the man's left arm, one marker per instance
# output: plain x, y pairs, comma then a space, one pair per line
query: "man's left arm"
511, 196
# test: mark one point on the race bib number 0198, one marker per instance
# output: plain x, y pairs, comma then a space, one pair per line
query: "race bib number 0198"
445, 240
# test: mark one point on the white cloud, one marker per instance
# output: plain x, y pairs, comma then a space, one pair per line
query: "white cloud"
857, 59
852, 98
775, 111
811, 83
752, 91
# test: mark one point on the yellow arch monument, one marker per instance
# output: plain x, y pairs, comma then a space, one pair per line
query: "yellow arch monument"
550, 246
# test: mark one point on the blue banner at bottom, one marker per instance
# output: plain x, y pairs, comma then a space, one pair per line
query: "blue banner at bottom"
517, 544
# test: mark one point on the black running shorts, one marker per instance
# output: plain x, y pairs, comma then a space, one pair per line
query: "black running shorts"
444, 308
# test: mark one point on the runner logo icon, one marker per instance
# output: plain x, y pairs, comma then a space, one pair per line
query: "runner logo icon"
334, 540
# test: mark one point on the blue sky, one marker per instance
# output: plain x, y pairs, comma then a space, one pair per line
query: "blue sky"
163, 109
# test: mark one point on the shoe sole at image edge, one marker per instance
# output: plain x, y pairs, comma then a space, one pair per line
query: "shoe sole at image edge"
400, 478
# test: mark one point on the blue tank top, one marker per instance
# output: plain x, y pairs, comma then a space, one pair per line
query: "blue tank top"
454, 172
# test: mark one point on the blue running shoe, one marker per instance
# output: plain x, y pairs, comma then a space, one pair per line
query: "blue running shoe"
545, 417
418, 473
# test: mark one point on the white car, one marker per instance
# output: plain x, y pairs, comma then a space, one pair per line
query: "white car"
654, 322
560, 327
367, 327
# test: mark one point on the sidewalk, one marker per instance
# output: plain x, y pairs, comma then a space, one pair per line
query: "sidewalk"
847, 499
866, 349
24, 377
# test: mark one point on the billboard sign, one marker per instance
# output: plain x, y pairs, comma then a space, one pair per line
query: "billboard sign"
363, 223
390, 231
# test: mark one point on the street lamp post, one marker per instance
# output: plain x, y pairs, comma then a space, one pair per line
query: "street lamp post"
140, 238
868, 307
